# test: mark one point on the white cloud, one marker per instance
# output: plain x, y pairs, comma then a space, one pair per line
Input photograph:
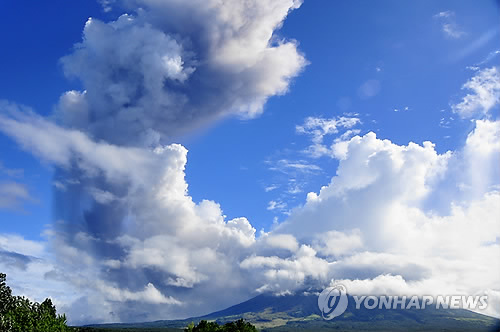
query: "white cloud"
448, 24
149, 295
301, 166
102, 196
492, 55
334, 243
16, 243
293, 188
170, 66
281, 274
485, 87
372, 230
273, 205
107, 5
482, 156
186, 243
282, 241
446, 13
402, 173
406, 108
452, 30
270, 188
318, 128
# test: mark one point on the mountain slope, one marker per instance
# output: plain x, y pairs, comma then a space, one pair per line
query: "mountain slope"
300, 313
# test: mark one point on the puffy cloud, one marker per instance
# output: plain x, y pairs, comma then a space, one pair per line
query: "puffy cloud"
376, 233
482, 157
137, 229
334, 243
485, 87
282, 241
174, 65
374, 170
149, 295
287, 274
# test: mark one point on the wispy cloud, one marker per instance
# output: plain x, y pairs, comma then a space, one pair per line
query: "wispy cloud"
276, 205
452, 30
404, 109
448, 24
302, 166
11, 172
270, 188
445, 14
492, 55
294, 188
318, 127
446, 122
14, 195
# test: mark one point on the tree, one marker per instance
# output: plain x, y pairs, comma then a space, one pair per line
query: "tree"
239, 326
6, 303
19, 314
205, 326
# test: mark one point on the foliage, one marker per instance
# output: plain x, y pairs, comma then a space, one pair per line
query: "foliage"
19, 314
237, 326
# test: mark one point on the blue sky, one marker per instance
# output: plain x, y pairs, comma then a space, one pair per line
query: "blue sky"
397, 68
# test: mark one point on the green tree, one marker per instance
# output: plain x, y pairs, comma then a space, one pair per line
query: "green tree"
19, 314
239, 326
6, 304
205, 326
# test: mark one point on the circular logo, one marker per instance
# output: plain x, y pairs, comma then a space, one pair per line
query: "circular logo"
333, 301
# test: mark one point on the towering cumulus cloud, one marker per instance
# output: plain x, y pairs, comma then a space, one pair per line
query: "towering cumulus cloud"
126, 230
173, 65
